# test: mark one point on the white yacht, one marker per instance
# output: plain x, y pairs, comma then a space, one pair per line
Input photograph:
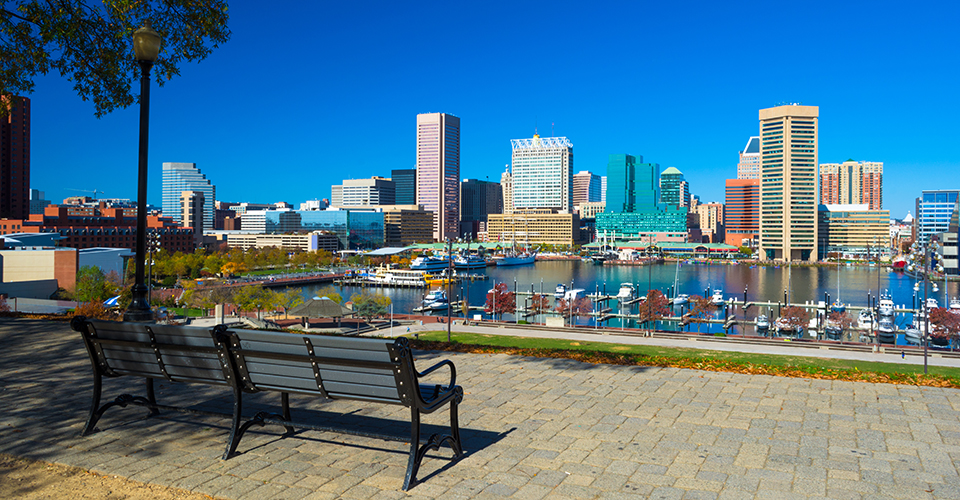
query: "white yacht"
681, 299
560, 290
763, 324
887, 331
717, 297
886, 306
865, 320
932, 303
436, 300
430, 263
627, 292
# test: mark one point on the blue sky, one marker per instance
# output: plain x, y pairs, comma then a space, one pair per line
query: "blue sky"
306, 94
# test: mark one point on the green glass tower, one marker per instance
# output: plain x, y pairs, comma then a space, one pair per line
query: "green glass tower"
674, 189
633, 210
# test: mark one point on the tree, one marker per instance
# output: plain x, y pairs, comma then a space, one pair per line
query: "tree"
91, 44
368, 305
946, 325
252, 297
703, 309
499, 301
654, 307
330, 293
795, 317
575, 307
92, 285
290, 298
539, 303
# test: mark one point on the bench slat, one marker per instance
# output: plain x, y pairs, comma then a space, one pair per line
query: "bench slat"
349, 343
327, 374
381, 356
388, 393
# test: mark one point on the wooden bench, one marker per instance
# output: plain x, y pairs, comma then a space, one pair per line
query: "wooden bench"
363, 369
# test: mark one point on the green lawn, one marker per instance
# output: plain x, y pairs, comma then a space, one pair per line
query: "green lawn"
188, 312
687, 355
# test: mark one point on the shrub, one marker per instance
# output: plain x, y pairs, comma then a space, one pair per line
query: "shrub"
94, 310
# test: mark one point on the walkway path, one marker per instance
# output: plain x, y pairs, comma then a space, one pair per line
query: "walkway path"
533, 428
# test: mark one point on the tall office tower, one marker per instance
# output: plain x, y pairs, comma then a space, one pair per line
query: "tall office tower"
180, 177
788, 182
405, 183
749, 166
37, 203
15, 158
478, 199
438, 171
632, 186
586, 188
934, 210
506, 185
674, 189
364, 192
742, 212
543, 173
711, 218
852, 183
191, 213
603, 189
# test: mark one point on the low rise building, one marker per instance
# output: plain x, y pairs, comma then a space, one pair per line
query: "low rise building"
309, 242
535, 226
852, 231
405, 225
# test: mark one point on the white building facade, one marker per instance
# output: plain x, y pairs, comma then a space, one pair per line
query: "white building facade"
542, 173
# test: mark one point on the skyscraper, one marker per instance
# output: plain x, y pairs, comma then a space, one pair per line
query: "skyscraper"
749, 166
852, 183
405, 182
506, 185
934, 211
788, 182
180, 177
478, 199
621, 185
363, 192
632, 208
742, 212
674, 189
603, 189
438, 171
586, 187
543, 173
15, 158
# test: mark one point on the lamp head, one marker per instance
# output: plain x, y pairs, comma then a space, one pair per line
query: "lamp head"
146, 43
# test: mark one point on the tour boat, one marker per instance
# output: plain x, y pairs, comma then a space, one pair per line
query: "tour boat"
429, 263
469, 262
627, 292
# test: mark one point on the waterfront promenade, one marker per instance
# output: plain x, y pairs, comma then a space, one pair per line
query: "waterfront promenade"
532, 428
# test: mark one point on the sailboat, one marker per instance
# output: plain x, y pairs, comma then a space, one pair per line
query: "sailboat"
681, 298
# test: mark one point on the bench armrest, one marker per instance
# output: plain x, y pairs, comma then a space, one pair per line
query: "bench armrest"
446, 362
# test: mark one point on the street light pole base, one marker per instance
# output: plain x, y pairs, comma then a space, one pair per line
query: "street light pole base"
139, 310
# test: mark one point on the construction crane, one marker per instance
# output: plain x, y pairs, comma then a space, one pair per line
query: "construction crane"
94, 191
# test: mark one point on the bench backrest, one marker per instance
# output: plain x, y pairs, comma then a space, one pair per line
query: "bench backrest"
333, 367
176, 353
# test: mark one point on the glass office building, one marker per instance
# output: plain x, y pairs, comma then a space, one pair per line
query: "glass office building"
180, 177
934, 210
354, 229
633, 211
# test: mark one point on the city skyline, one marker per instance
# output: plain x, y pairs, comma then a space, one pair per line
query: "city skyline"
197, 118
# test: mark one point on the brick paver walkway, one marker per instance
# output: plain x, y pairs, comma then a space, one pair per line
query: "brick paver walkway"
533, 428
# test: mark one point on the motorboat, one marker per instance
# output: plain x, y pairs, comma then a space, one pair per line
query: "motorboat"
436, 300
429, 263
913, 333
865, 320
681, 299
517, 259
627, 292
717, 297
955, 305
469, 262
833, 330
932, 303
886, 331
560, 290
763, 324
785, 329
886, 306
574, 294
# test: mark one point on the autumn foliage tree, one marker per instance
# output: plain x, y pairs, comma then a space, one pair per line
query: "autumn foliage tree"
655, 307
500, 301
946, 325
539, 303
702, 310
795, 317
575, 307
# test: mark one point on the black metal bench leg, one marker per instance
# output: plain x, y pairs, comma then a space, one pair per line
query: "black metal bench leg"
285, 403
413, 463
455, 430
235, 431
94, 405
151, 399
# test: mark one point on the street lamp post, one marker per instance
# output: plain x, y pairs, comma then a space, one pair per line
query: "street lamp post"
146, 46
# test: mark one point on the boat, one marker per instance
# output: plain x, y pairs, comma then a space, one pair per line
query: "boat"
576, 293
838, 307
955, 305
681, 299
886, 306
886, 331
785, 329
429, 263
517, 259
627, 292
833, 329
399, 277
865, 319
436, 300
913, 333
469, 261
932, 303
560, 290
763, 324
717, 297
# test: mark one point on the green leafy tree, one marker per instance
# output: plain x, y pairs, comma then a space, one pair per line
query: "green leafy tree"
90, 43
290, 298
92, 284
330, 293
368, 305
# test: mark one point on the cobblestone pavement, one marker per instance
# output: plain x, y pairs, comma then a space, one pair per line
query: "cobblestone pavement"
533, 428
